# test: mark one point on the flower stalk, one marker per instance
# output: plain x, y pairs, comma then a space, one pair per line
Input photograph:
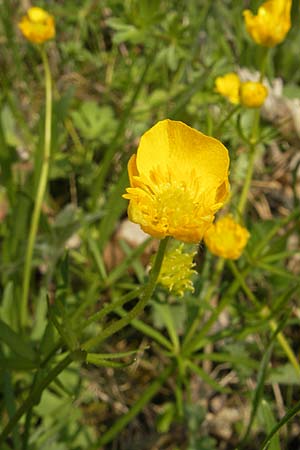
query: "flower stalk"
40, 193
138, 308
213, 285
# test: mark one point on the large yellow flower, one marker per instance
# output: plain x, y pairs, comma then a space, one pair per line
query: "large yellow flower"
226, 238
229, 86
178, 180
37, 26
271, 24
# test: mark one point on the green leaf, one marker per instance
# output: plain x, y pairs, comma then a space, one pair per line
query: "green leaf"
268, 417
95, 122
166, 418
93, 358
285, 374
18, 344
289, 415
207, 378
17, 363
261, 377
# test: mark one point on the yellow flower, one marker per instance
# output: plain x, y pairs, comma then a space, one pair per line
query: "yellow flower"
37, 26
271, 24
177, 270
178, 180
253, 94
229, 86
226, 238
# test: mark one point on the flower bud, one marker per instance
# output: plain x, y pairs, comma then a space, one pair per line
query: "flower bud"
37, 26
253, 94
226, 238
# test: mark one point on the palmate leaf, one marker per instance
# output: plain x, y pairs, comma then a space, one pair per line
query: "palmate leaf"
95, 122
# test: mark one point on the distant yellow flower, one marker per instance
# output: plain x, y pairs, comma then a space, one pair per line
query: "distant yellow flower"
37, 26
177, 270
226, 238
229, 86
253, 94
178, 180
271, 24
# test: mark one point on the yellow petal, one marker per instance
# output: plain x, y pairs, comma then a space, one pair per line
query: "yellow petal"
37, 26
178, 180
271, 24
228, 85
37, 15
253, 94
226, 238
175, 145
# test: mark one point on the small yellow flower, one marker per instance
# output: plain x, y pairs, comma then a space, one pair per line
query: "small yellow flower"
226, 238
271, 24
229, 86
253, 94
37, 26
178, 180
177, 270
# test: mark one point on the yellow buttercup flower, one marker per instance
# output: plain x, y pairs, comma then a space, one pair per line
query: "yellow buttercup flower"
178, 180
229, 86
226, 238
253, 94
177, 270
37, 26
271, 24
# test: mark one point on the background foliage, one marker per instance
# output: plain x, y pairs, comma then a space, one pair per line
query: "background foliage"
118, 67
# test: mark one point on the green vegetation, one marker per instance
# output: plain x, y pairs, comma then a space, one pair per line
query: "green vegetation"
94, 354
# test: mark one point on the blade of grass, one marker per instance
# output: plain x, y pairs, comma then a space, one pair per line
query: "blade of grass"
147, 330
288, 416
143, 400
207, 378
261, 376
269, 420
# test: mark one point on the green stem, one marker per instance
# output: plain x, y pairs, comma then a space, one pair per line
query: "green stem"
274, 230
285, 347
99, 315
197, 341
32, 399
241, 280
250, 169
263, 63
226, 118
147, 330
264, 314
138, 308
208, 294
39, 194
252, 145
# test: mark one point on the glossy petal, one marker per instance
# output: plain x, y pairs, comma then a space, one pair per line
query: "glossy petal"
228, 86
253, 94
178, 179
271, 24
37, 26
